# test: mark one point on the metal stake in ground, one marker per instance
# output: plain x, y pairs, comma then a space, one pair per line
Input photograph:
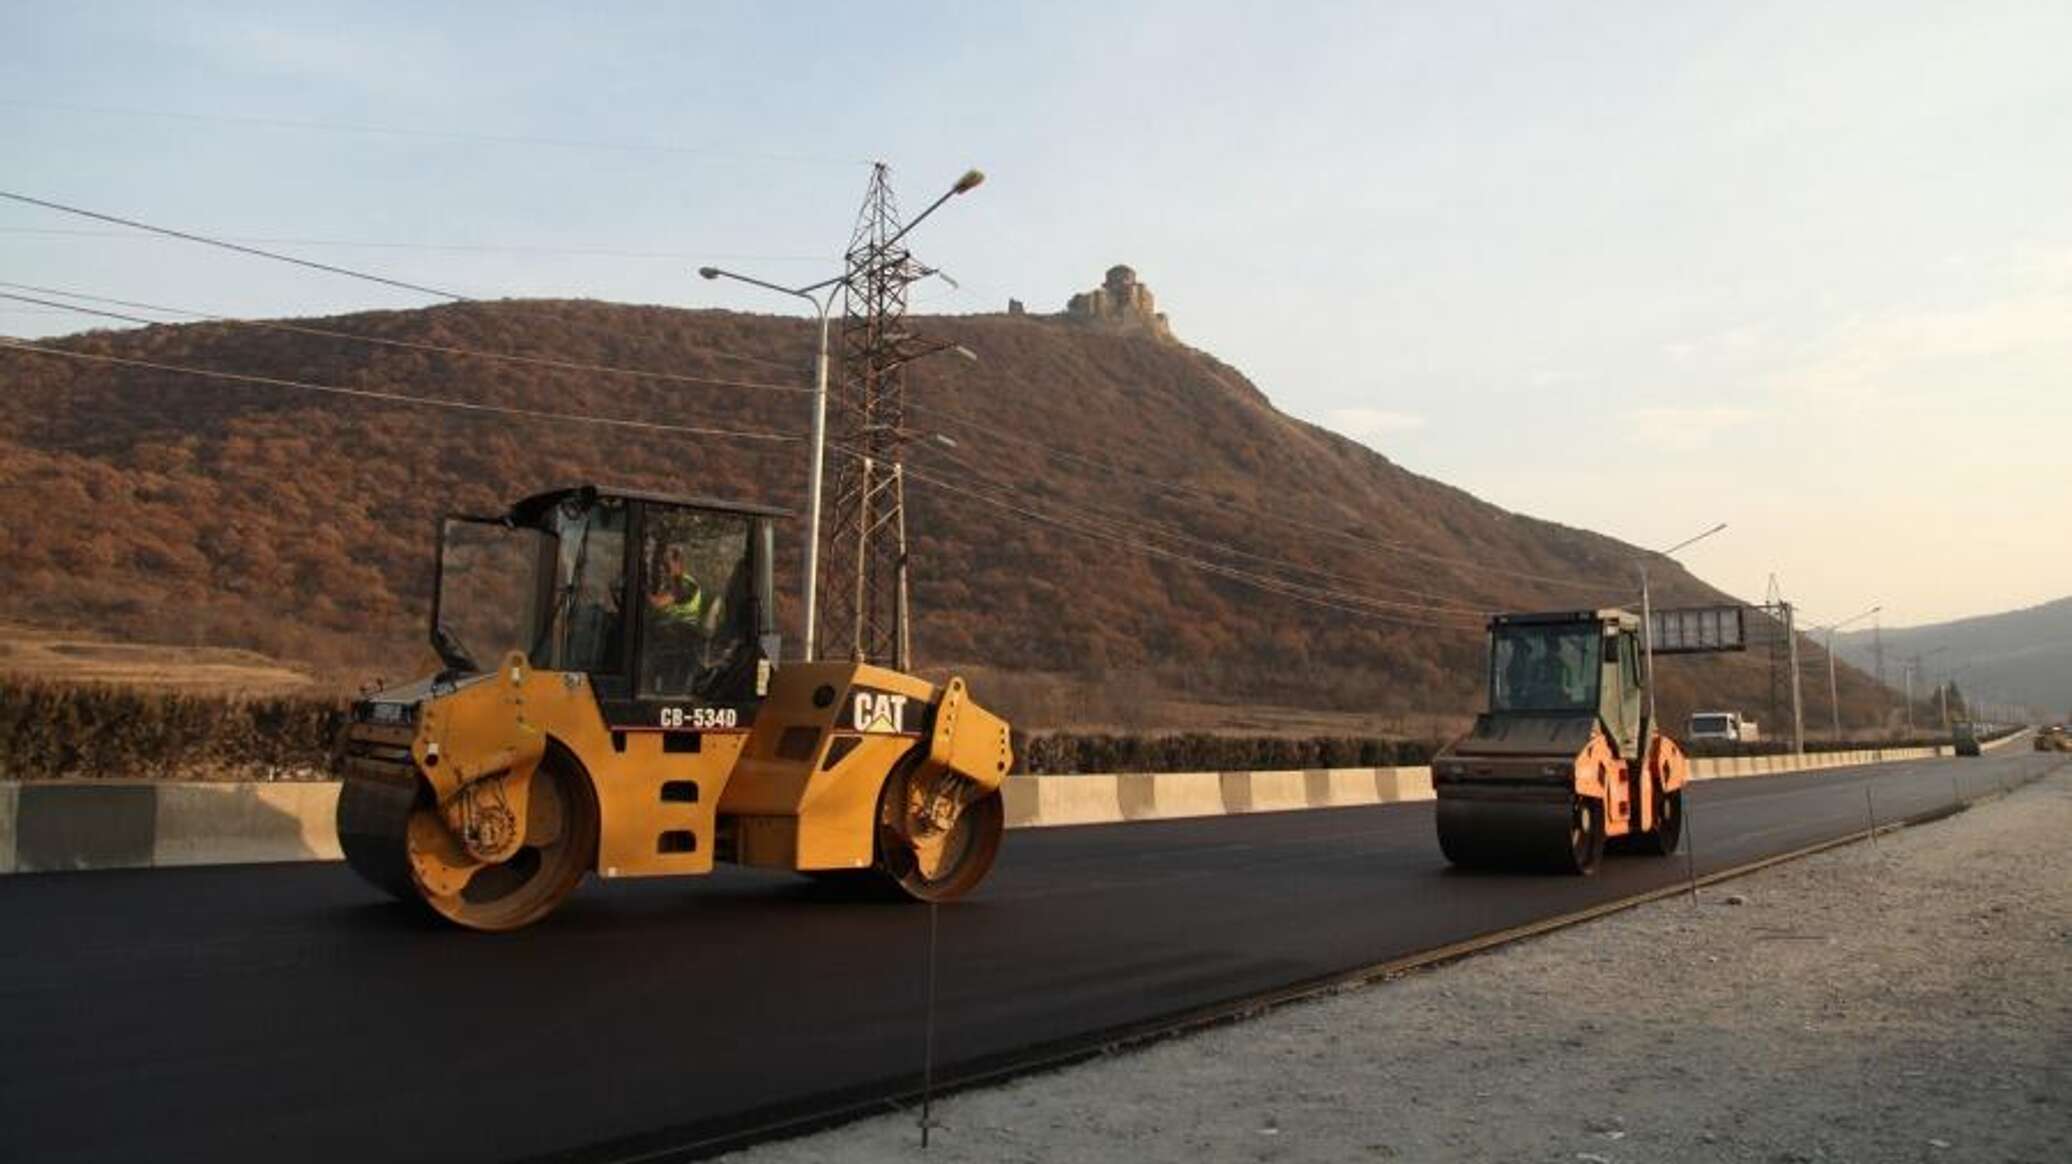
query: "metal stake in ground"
928, 1038
1690, 854
1870, 814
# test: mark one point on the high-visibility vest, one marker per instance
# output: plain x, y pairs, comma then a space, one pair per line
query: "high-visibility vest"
687, 600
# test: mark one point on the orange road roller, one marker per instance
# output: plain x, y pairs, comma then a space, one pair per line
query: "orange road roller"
1566, 761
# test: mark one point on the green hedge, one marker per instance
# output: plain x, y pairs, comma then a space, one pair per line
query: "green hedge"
1065, 752
1061, 753
51, 731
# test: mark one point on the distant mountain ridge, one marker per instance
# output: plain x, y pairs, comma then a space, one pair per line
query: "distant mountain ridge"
1096, 517
2021, 656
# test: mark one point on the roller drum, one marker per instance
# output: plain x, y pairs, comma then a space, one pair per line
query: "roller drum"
1555, 835
374, 832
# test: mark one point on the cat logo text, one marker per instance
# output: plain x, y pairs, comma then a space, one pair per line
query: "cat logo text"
877, 712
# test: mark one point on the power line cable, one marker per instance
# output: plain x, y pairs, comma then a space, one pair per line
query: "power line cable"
463, 248
1198, 496
411, 345
402, 398
1335, 600
1273, 586
330, 268
240, 248
447, 134
1126, 523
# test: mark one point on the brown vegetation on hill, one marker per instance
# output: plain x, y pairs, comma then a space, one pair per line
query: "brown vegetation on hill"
159, 506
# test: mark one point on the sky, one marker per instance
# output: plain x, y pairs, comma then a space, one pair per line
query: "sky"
1634, 267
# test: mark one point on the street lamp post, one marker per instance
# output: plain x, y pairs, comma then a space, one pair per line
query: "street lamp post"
1834, 699
1647, 617
817, 453
1916, 670
817, 457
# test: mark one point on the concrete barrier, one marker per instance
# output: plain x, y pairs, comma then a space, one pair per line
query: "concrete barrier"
2006, 740
1400, 784
225, 824
1342, 787
131, 824
8, 795
1086, 800
1269, 791
84, 825
1176, 795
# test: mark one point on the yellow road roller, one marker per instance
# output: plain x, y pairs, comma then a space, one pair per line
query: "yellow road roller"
1566, 761
611, 700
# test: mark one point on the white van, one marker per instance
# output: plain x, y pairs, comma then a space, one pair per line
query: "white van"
1722, 725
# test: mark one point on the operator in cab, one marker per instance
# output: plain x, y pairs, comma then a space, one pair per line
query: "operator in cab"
677, 597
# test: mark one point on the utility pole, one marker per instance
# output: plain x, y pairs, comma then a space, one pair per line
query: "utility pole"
1834, 699
877, 229
866, 561
1647, 618
821, 295
1798, 710
1772, 606
1918, 657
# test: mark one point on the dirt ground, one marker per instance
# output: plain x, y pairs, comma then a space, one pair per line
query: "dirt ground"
1908, 1001
28, 652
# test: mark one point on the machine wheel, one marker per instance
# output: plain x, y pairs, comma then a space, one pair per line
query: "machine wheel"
397, 837
527, 887
969, 846
373, 818
1668, 831
1544, 836
1585, 840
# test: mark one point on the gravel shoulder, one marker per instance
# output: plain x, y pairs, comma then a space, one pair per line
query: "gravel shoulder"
1908, 1000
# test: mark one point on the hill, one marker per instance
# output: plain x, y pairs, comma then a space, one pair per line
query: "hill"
2018, 656
1109, 529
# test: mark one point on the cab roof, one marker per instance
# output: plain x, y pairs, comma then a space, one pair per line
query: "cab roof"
1613, 616
539, 503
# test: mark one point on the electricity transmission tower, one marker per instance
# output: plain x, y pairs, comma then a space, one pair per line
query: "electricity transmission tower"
864, 611
1784, 661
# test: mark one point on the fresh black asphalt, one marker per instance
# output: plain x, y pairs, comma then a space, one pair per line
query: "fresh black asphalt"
290, 1012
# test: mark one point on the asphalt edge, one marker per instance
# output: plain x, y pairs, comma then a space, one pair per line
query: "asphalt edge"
1133, 1036
133, 824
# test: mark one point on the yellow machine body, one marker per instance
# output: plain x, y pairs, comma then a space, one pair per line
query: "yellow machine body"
488, 794
799, 790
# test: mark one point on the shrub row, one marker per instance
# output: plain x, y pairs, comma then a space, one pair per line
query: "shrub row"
1065, 752
58, 731
1055, 753
1779, 747
51, 731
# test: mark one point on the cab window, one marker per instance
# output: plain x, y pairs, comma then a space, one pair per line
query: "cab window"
590, 586
697, 627
1544, 668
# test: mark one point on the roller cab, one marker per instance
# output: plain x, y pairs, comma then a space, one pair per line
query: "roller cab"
1563, 763
611, 699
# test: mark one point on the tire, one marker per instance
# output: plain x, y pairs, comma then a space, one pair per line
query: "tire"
537, 878
1583, 848
1667, 835
973, 844
373, 818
